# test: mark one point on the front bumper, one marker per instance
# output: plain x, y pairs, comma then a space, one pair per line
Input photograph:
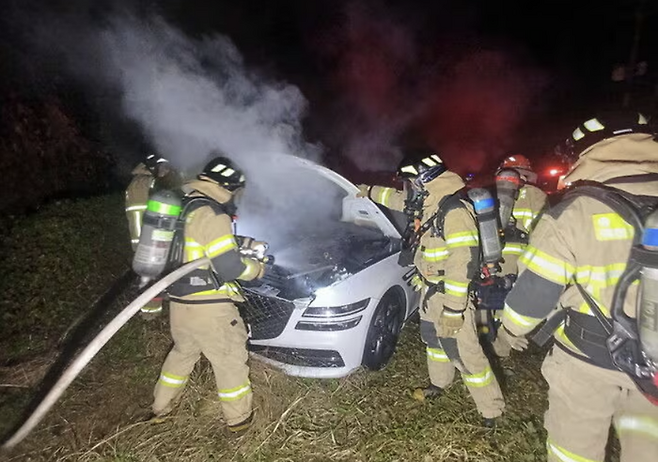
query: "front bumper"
332, 350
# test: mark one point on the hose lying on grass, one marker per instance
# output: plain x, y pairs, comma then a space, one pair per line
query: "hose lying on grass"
74, 369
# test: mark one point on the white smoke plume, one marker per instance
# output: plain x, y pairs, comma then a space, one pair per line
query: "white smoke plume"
191, 96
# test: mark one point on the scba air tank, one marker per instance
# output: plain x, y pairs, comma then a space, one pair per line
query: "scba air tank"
648, 310
508, 182
158, 229
485, 209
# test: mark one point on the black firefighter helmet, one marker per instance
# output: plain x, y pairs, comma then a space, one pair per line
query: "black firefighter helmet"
224, 172
420, 167
601, 126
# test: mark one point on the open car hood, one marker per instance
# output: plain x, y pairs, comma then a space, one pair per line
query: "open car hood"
357, 210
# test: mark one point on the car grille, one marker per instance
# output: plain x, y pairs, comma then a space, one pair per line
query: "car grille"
266, 316
299, 356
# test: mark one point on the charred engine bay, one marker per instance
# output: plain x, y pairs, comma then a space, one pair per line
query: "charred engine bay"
320, 259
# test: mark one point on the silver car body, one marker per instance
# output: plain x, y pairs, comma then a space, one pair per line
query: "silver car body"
312, 312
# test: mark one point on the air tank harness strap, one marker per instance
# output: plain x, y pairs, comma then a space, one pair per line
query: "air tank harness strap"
198, 280
433, 289
513, 235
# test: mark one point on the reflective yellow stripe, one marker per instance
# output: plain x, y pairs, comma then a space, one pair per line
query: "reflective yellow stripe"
561, 336
513, 249
435, 254
251, 269
233, 394
646, 426
523, 213
455, 288
171, 380
221, 245
600, 276
137, 223
546, 266
564, 455
480, 380
155, 309
383, 196
438, 355
525, 216
523, 321
465, 239
453, 314
133, 208
193, 250
611, 227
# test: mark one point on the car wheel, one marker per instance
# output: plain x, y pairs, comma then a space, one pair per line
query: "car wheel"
384, 330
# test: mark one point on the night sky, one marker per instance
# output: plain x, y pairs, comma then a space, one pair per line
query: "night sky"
476, 80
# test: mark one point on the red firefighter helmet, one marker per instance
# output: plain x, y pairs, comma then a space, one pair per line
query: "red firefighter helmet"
517, 161
522, 165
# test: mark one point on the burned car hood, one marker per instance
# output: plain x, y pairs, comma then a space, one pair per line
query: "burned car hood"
318, 230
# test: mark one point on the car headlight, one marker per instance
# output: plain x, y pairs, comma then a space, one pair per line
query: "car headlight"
329, 326
333, 311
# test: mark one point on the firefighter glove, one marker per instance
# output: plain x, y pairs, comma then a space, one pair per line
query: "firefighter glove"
262, 268
364, 190
517, 343
417, 283
450, 322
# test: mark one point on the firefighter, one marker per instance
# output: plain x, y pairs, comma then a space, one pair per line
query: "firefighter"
577, 253
447, 259
530, 202
153, 173
204, 318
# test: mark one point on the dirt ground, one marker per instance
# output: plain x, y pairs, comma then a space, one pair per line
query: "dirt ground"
368, 416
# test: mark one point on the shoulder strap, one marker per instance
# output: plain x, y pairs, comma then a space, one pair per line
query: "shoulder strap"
632, 208
447, 204
190, 204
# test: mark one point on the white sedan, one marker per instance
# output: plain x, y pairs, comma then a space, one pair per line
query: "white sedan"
335, 298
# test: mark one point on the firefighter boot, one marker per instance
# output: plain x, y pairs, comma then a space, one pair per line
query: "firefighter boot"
489, 422
241, 427
430, 392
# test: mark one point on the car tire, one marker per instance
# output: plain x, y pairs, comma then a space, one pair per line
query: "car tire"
385, 326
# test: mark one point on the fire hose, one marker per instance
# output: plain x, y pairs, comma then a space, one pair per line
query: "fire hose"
81, 361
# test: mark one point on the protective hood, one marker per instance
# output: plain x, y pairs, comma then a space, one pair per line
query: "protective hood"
140, 169
444, 185
207, 188
618, 157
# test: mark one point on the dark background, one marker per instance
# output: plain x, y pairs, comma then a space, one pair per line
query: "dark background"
475, 80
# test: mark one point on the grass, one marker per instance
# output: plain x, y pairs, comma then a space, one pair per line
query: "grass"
368, 416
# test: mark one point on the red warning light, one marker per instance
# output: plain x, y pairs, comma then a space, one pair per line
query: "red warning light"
553, 171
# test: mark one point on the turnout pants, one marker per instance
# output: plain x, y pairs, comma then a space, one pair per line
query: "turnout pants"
583, 401
217, 331
464, 353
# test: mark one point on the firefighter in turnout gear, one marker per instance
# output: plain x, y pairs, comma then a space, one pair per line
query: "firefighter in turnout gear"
204, 318
527, 207
447, 259
530, 202
152, 174
575, 257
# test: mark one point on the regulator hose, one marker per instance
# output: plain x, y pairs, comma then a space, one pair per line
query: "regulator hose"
79, 363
